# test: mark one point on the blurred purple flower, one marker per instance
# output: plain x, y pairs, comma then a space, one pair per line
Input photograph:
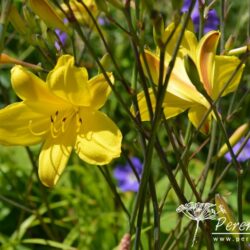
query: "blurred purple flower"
244, 154
211, 22
125, 176
103, 21
62, 37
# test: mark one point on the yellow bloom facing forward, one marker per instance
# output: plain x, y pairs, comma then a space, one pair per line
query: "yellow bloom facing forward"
62, 113
214, 73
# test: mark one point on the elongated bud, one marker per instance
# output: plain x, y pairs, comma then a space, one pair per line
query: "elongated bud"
101, 5
125, 242
230, 42
45, 11
4, 15
193, 73
176, 5
238, 51
116, 3
234, 138
6, 59
17, 21
30, 19
106, 62
158, 28
226, 218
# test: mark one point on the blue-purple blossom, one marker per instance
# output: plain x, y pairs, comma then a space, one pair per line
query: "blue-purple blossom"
103, 21
62, 37
125, 176
244, 154
211, 21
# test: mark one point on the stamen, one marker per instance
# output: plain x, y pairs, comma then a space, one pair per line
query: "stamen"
55, 117
78, 122
36, 133
53, 130
63, 124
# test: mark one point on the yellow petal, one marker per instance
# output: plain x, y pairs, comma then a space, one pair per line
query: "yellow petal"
184, 89
172, 105
205, 58
188, 44
224, 67
99, 90
196, 114
179, 84
54, 157
99, 140
142, 105
30, 87
69, 82
153, 64
18, 125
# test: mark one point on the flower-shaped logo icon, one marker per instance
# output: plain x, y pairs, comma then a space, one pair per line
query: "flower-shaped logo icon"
198, 212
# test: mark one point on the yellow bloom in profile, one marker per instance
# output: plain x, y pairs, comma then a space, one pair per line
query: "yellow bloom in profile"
64, 114
214, 72
80, 12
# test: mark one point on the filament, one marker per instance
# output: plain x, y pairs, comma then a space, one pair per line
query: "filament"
78, 122
63, 124
34, 132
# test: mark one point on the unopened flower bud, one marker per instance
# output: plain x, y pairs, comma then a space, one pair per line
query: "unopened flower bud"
125, 242
158, 28
17, 21
6, 59
101, 5
193, 73
46, 12
106, 62
116, 3
230, 42
234, 138
225, 215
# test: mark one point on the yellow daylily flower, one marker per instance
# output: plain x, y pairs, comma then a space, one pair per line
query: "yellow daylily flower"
214, 73
64, 114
